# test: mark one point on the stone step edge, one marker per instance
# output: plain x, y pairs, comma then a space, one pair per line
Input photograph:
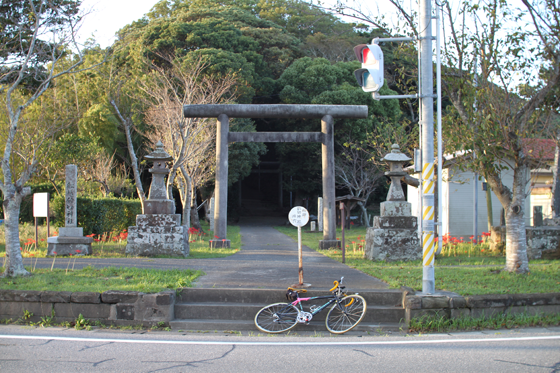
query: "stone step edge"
223, 325
228, 304
350, 291
388, 296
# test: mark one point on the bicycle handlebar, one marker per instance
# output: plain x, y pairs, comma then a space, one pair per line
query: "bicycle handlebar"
337, 284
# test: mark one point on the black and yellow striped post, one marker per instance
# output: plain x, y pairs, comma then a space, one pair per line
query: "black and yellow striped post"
427, 133
428, 215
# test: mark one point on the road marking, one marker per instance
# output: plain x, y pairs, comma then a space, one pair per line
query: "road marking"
260, 343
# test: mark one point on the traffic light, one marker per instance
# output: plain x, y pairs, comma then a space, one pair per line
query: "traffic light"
370, 76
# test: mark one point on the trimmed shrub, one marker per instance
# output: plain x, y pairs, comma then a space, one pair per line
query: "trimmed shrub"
26, 209
100, 214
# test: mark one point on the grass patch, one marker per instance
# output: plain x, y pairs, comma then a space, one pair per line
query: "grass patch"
458, 272
440, 323
113, 245
200, 248
102, 279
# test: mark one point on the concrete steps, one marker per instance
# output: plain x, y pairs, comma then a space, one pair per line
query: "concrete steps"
235, 309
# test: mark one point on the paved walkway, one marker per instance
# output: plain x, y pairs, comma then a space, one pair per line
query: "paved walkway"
267, 260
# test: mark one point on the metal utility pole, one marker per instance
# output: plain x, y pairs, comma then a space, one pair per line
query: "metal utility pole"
475, 175
366, 78
427, 123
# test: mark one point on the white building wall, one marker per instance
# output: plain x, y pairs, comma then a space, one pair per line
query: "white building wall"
544, 200
413, 196
458, 203
445, 202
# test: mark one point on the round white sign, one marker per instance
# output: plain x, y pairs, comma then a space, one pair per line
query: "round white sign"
298, 216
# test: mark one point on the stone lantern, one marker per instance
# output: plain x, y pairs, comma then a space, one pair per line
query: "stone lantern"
394, 235
158, 230
396, 160
158, 201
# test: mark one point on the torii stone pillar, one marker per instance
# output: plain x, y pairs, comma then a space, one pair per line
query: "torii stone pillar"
326, 113
221, 184
329, 209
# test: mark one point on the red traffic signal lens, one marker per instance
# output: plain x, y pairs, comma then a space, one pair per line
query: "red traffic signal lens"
369, 59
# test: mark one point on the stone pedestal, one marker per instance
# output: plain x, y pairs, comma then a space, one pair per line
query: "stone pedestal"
64, 245
393, 237
158, 234
218, 244
329, 244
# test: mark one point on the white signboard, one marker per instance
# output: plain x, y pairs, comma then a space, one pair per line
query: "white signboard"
40, 205
298, 216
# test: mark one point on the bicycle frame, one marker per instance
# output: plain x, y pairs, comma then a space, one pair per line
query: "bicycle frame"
332, 299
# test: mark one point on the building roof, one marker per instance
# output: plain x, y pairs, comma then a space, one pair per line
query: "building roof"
537, 149
543, 149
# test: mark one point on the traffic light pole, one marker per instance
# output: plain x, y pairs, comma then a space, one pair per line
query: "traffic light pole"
370, 78
427, 132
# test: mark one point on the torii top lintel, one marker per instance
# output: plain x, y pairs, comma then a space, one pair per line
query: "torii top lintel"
275, 111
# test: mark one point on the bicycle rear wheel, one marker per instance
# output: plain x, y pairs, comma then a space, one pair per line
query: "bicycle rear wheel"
276, 318
346, 314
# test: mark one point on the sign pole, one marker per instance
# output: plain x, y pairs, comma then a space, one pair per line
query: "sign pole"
298, 217
40, 210
48, 216
342, 221
300, 257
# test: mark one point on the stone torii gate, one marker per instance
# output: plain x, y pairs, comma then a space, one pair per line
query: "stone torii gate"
326, 113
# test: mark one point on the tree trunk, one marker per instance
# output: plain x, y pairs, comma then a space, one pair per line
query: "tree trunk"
516, 241
489, 207
364, 213
12, 202
206, 208
184, 191
170, 182
195, 221
556, 185
127, 124
186, 214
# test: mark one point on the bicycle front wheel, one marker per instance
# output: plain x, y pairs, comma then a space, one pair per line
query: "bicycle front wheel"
346, 314
276, 318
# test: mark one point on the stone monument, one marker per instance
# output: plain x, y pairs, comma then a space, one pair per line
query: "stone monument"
211, 214
70, 240
394, 235
158, 231
320, 214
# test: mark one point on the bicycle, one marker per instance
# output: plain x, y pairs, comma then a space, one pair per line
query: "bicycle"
346, 312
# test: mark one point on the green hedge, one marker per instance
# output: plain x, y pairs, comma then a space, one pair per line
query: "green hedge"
100, 215
26, 209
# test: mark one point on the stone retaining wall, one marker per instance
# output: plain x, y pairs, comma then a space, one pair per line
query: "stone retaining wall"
133, 308
542, 242
110, 307
454, 305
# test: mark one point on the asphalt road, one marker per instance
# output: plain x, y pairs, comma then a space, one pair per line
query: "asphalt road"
24, 349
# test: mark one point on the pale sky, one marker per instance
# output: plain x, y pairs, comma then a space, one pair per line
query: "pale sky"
109, 16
